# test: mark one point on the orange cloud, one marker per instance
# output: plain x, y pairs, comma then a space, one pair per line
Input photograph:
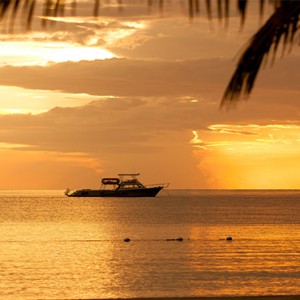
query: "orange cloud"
47, 170
267, 158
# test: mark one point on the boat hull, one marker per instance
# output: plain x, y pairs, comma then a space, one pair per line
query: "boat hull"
141, 192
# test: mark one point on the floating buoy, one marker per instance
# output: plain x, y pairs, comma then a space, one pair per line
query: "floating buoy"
180, 239
127, 240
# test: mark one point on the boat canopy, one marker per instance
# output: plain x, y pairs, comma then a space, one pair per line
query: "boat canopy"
110, 181
129, 174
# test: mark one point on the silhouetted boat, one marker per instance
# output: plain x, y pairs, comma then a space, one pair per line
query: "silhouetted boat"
120, 187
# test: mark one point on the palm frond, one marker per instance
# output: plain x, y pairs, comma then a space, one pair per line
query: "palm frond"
242, 7
281, 26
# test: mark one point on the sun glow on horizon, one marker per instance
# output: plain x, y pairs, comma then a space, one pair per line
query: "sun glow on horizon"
250, 156
17, 163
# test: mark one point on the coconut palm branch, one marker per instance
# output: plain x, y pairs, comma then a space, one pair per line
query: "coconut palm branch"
280, 27
53, 8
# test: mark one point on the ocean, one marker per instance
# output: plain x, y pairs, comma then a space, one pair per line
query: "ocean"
55, 247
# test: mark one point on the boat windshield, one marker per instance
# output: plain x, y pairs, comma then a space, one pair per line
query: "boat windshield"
131, 184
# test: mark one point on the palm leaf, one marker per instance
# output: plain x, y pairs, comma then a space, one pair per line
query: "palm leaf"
281, 26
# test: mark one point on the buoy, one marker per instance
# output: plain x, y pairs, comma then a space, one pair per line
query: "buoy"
180, 239
127, 240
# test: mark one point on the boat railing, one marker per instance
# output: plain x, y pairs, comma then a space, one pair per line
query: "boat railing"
69, 191
164, 185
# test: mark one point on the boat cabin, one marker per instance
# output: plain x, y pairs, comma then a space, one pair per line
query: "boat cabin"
125, 181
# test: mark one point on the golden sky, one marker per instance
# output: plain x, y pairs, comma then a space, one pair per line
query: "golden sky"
138, 90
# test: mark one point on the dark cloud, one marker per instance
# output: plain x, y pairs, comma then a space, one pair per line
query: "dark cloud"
124, 77
121, 77
128, 125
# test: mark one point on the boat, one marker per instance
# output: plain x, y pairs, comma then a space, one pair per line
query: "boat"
126, 185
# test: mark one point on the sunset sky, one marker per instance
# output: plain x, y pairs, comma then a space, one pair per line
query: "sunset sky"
138, 90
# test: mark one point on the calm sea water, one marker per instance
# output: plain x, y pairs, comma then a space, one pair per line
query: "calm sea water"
67, 248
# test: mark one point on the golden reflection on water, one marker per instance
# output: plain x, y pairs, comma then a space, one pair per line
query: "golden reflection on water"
56, 247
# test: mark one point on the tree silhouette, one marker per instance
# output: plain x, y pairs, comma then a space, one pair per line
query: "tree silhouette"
281, 27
